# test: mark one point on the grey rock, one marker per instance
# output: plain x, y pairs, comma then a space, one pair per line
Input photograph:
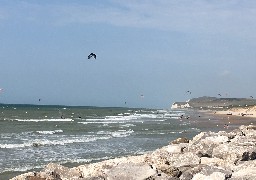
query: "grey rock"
130, 171
180, 140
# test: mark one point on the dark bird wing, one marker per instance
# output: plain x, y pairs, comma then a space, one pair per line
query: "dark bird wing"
92, 55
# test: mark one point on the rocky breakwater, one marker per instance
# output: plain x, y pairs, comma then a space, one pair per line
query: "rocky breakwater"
209, 155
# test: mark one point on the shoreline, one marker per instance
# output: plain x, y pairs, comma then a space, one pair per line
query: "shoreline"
209, 155
201, 119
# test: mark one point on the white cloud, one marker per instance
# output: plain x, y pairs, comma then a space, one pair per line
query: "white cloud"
182, 15
197, 16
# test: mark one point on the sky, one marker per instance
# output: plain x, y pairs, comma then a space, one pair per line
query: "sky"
156, 48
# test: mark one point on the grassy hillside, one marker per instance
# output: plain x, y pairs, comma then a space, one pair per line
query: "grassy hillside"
214, 102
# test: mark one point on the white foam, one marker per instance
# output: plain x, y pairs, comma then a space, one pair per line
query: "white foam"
122, 133
119, 133
89, 160
22, 168
127, 125
42, 120
50, 132
46, 142
175, 117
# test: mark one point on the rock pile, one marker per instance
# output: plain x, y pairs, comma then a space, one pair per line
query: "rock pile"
209, 155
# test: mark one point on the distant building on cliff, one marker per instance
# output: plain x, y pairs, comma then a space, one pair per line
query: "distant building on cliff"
180, 105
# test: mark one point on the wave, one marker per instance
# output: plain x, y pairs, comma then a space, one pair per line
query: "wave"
105, 123
127, 117
127, 125
46, 142
50, 132
23, 168
42, 120
119, 133
122, 133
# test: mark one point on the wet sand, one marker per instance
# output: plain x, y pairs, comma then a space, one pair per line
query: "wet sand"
219, 120
208, 120
249, 111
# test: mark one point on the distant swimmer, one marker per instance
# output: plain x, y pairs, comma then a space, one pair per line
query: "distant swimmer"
92, 55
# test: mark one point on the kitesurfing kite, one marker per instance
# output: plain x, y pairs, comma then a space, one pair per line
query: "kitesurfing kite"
92, 55
189, 92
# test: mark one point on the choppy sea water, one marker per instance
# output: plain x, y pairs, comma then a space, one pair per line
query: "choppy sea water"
32, 136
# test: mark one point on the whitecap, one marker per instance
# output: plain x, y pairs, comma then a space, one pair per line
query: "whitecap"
50, 132
127, 125
22, 168
46, 142
122, 133
42, 120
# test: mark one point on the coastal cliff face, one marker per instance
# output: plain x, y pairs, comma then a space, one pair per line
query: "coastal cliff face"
209, 155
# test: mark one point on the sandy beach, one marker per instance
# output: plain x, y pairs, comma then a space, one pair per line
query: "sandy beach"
240, 111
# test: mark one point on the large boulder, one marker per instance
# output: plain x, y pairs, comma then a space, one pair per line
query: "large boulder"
99, 169
62, 172
213, 176
180, 140
130, 171
245, 173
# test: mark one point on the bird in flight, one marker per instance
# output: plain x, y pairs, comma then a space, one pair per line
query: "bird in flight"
92, 55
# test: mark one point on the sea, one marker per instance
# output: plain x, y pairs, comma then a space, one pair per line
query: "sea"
31, 136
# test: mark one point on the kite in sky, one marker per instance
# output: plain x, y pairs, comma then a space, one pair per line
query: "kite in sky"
189, 92
92, 55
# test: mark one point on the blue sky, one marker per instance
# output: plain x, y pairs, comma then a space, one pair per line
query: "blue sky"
158, 48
